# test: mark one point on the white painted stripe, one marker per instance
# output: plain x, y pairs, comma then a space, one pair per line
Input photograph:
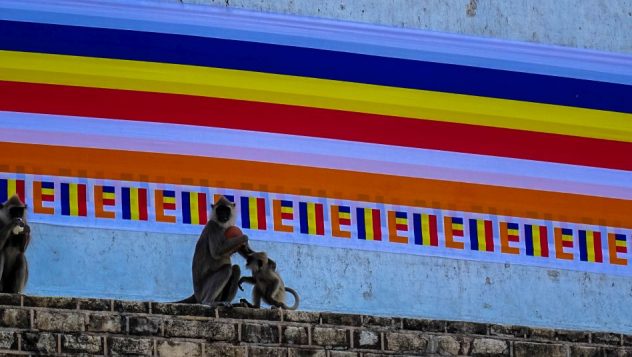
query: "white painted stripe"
314, 152
310, 32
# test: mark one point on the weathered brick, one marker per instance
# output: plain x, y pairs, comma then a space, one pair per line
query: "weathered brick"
51, 302
528, 349
606, 338
617, 352
95, 304
490, 347
306, 352
330, 318
223, 350
627, 340
212, 330
131, 306
424, 325
63, 321
367, 339
130, 345
330, 337
571, 336
388, 322
7, 340
301, 316
39, 342
342, 354
258, 333
471, 328
15, 318
541, 334
178, 349
246, 313
406, 342
182, 309
295, 335
508, 330
257, 351
144, 325
10, 299
81, 343
448, 346
106, 323
585, 351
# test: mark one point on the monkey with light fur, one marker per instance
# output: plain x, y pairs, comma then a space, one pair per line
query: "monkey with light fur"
15, 235
268, 284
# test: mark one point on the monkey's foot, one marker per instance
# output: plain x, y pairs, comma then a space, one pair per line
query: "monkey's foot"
221, 304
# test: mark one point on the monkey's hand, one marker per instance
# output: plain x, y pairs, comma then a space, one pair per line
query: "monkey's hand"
18, 226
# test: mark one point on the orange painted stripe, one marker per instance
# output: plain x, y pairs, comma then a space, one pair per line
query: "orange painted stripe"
298, 180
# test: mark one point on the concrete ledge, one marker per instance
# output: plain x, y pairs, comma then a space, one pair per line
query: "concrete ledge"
31, 325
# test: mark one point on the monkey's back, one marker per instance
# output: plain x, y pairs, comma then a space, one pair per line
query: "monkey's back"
203, 261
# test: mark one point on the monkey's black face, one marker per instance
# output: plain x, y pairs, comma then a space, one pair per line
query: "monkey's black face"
223, 213
16, 212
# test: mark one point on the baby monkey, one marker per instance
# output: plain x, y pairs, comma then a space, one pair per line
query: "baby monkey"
267, 283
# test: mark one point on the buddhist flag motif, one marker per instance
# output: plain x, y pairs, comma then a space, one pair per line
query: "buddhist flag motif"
340, 218
397, 222
617, 246
453, 227
509, 233
283, 210
43, 197
481, 235
563, 240
134, 203
104, 196
369, 224
590, 246
194, 208
253, 213
425, 229
311, 218
536, 240
165, 200
10, 187
73, 199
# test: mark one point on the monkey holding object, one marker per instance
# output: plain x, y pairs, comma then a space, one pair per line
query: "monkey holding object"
15, 235
267, 283
215, 279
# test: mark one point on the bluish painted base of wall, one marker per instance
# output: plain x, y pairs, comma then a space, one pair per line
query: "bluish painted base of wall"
68, 261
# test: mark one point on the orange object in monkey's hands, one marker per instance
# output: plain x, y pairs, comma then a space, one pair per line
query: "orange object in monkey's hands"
232, 232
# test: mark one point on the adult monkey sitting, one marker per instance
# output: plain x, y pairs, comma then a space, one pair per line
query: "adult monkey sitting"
215, 279
15, 235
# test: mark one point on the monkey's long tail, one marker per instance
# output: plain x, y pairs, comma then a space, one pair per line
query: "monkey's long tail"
296, 299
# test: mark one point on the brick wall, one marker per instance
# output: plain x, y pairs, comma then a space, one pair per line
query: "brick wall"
69, 326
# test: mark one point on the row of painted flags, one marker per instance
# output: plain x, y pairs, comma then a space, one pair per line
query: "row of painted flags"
304, 216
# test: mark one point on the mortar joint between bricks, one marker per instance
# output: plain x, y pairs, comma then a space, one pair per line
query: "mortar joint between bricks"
58, 343
32, 319
112, 305
127, 325
149, 307
21, 300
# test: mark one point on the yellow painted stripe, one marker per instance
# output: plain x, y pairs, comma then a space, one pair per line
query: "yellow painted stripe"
194, 209
457, 226
480, 228
48, 191
513, 232
537, 247
368, 223
74, 199
108, 195
168, 199
311, 218
425, 228
11, 188
133, 203
590, 246
287, 209
312, 92
252, 211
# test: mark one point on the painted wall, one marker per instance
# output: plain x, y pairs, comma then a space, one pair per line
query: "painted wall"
271, 105
599, 25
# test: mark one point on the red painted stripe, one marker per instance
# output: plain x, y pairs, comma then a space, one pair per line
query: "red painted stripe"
567, 244
621, 249
170, 206
344, 221
544, 241
201, 197
19, 189
287, 215
109, 202
82, 198
432, 222
320, 222
377, 224
261, 213
401, 227
489, 236
315, 122
142, 204
48, 198
598, 252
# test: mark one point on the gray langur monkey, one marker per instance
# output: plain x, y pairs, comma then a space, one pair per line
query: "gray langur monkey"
15, 235
268, 284
215, 279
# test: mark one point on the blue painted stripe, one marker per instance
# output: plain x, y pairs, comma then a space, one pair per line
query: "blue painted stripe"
583, 249
108, 189
48, 184
65, 199
417, 229
528, 240
245, 212
309, 62
473, 234
4, 190
304, 225
125, 198
361, 223
186, 207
